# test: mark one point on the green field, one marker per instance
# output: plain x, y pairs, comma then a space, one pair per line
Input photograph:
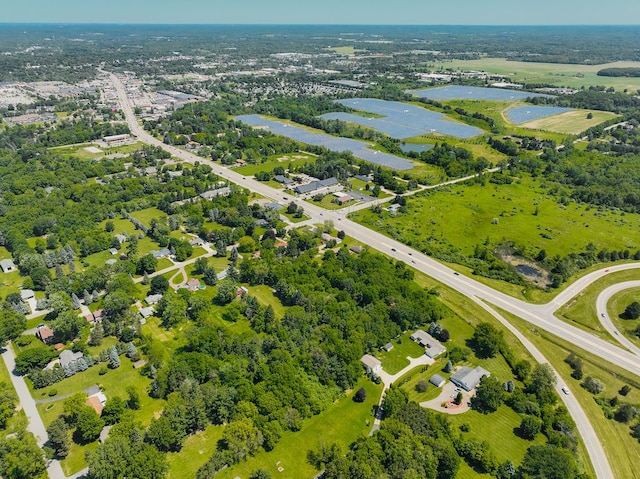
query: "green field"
560, 74
342, 423
346, 50
194, 453
145, 216
459, 217
498, 429
622, 450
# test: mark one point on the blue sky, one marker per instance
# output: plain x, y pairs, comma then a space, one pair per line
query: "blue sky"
414, 12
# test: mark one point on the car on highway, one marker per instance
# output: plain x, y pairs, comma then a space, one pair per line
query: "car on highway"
603, 315
565, 390
393, 249
456, 273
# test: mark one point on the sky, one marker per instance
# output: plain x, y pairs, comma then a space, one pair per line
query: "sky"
386, 12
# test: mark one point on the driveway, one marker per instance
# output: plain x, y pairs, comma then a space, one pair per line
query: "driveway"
448, 393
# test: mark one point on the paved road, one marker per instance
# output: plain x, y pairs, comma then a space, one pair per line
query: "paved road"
35, 425
540, 316
605, 320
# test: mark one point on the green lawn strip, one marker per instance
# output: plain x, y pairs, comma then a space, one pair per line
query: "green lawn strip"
194, 454
622, 450
266, 297
76, 461
11, 283
145, 216
328, 202
581, 310
342, 423
498, 429
617, 304
413, 377
120, 226
395, 360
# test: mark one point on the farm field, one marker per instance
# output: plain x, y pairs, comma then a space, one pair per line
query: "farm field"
560, 74
291, 159
571, 122
460, 217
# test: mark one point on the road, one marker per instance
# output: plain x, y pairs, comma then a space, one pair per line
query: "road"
35, 424
605, 319
540, 316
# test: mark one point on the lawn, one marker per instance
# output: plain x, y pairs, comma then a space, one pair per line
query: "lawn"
498, 429
265, 295
18, 417
413, 377
570, 122
622, 450
396, 359
329, 202
120, 226
342, 423
569, 75
194, 453
145, 216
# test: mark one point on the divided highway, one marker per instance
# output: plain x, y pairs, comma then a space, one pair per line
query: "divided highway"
540, 316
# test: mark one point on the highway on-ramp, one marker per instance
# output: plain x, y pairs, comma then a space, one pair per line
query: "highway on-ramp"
605, 319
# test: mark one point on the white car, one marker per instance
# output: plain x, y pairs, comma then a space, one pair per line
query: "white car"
565, 390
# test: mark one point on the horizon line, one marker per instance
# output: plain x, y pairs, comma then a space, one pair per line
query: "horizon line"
329, 24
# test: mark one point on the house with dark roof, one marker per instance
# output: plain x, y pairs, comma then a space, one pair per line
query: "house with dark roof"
431, 345
283, 179
315, 186
468, 378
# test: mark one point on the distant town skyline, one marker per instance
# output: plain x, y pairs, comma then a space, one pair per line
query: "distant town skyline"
347, 12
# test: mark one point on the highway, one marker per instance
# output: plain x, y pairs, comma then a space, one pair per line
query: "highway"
605, 319
540, 316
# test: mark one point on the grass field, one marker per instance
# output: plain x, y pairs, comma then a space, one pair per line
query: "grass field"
622, 450
459, 217
19, 418
396, 359
570, 122
498, 429
265, 296
145, 216
342, 423
560, 74
194, 453
346, 50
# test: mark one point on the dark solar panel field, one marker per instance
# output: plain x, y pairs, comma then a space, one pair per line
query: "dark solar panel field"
523, 114
460, 92
359, 149
401, 120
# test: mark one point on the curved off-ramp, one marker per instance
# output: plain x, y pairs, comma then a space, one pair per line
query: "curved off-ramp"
603, 316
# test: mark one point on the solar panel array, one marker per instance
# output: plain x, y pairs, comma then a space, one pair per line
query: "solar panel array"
359, 149
460, 92
523, 114
401, 120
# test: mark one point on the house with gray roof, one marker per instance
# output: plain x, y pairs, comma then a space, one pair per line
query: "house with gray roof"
67, 357
431, 345
7, 265
283, 179
437, 380
315, 185
468, 378
371, 364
